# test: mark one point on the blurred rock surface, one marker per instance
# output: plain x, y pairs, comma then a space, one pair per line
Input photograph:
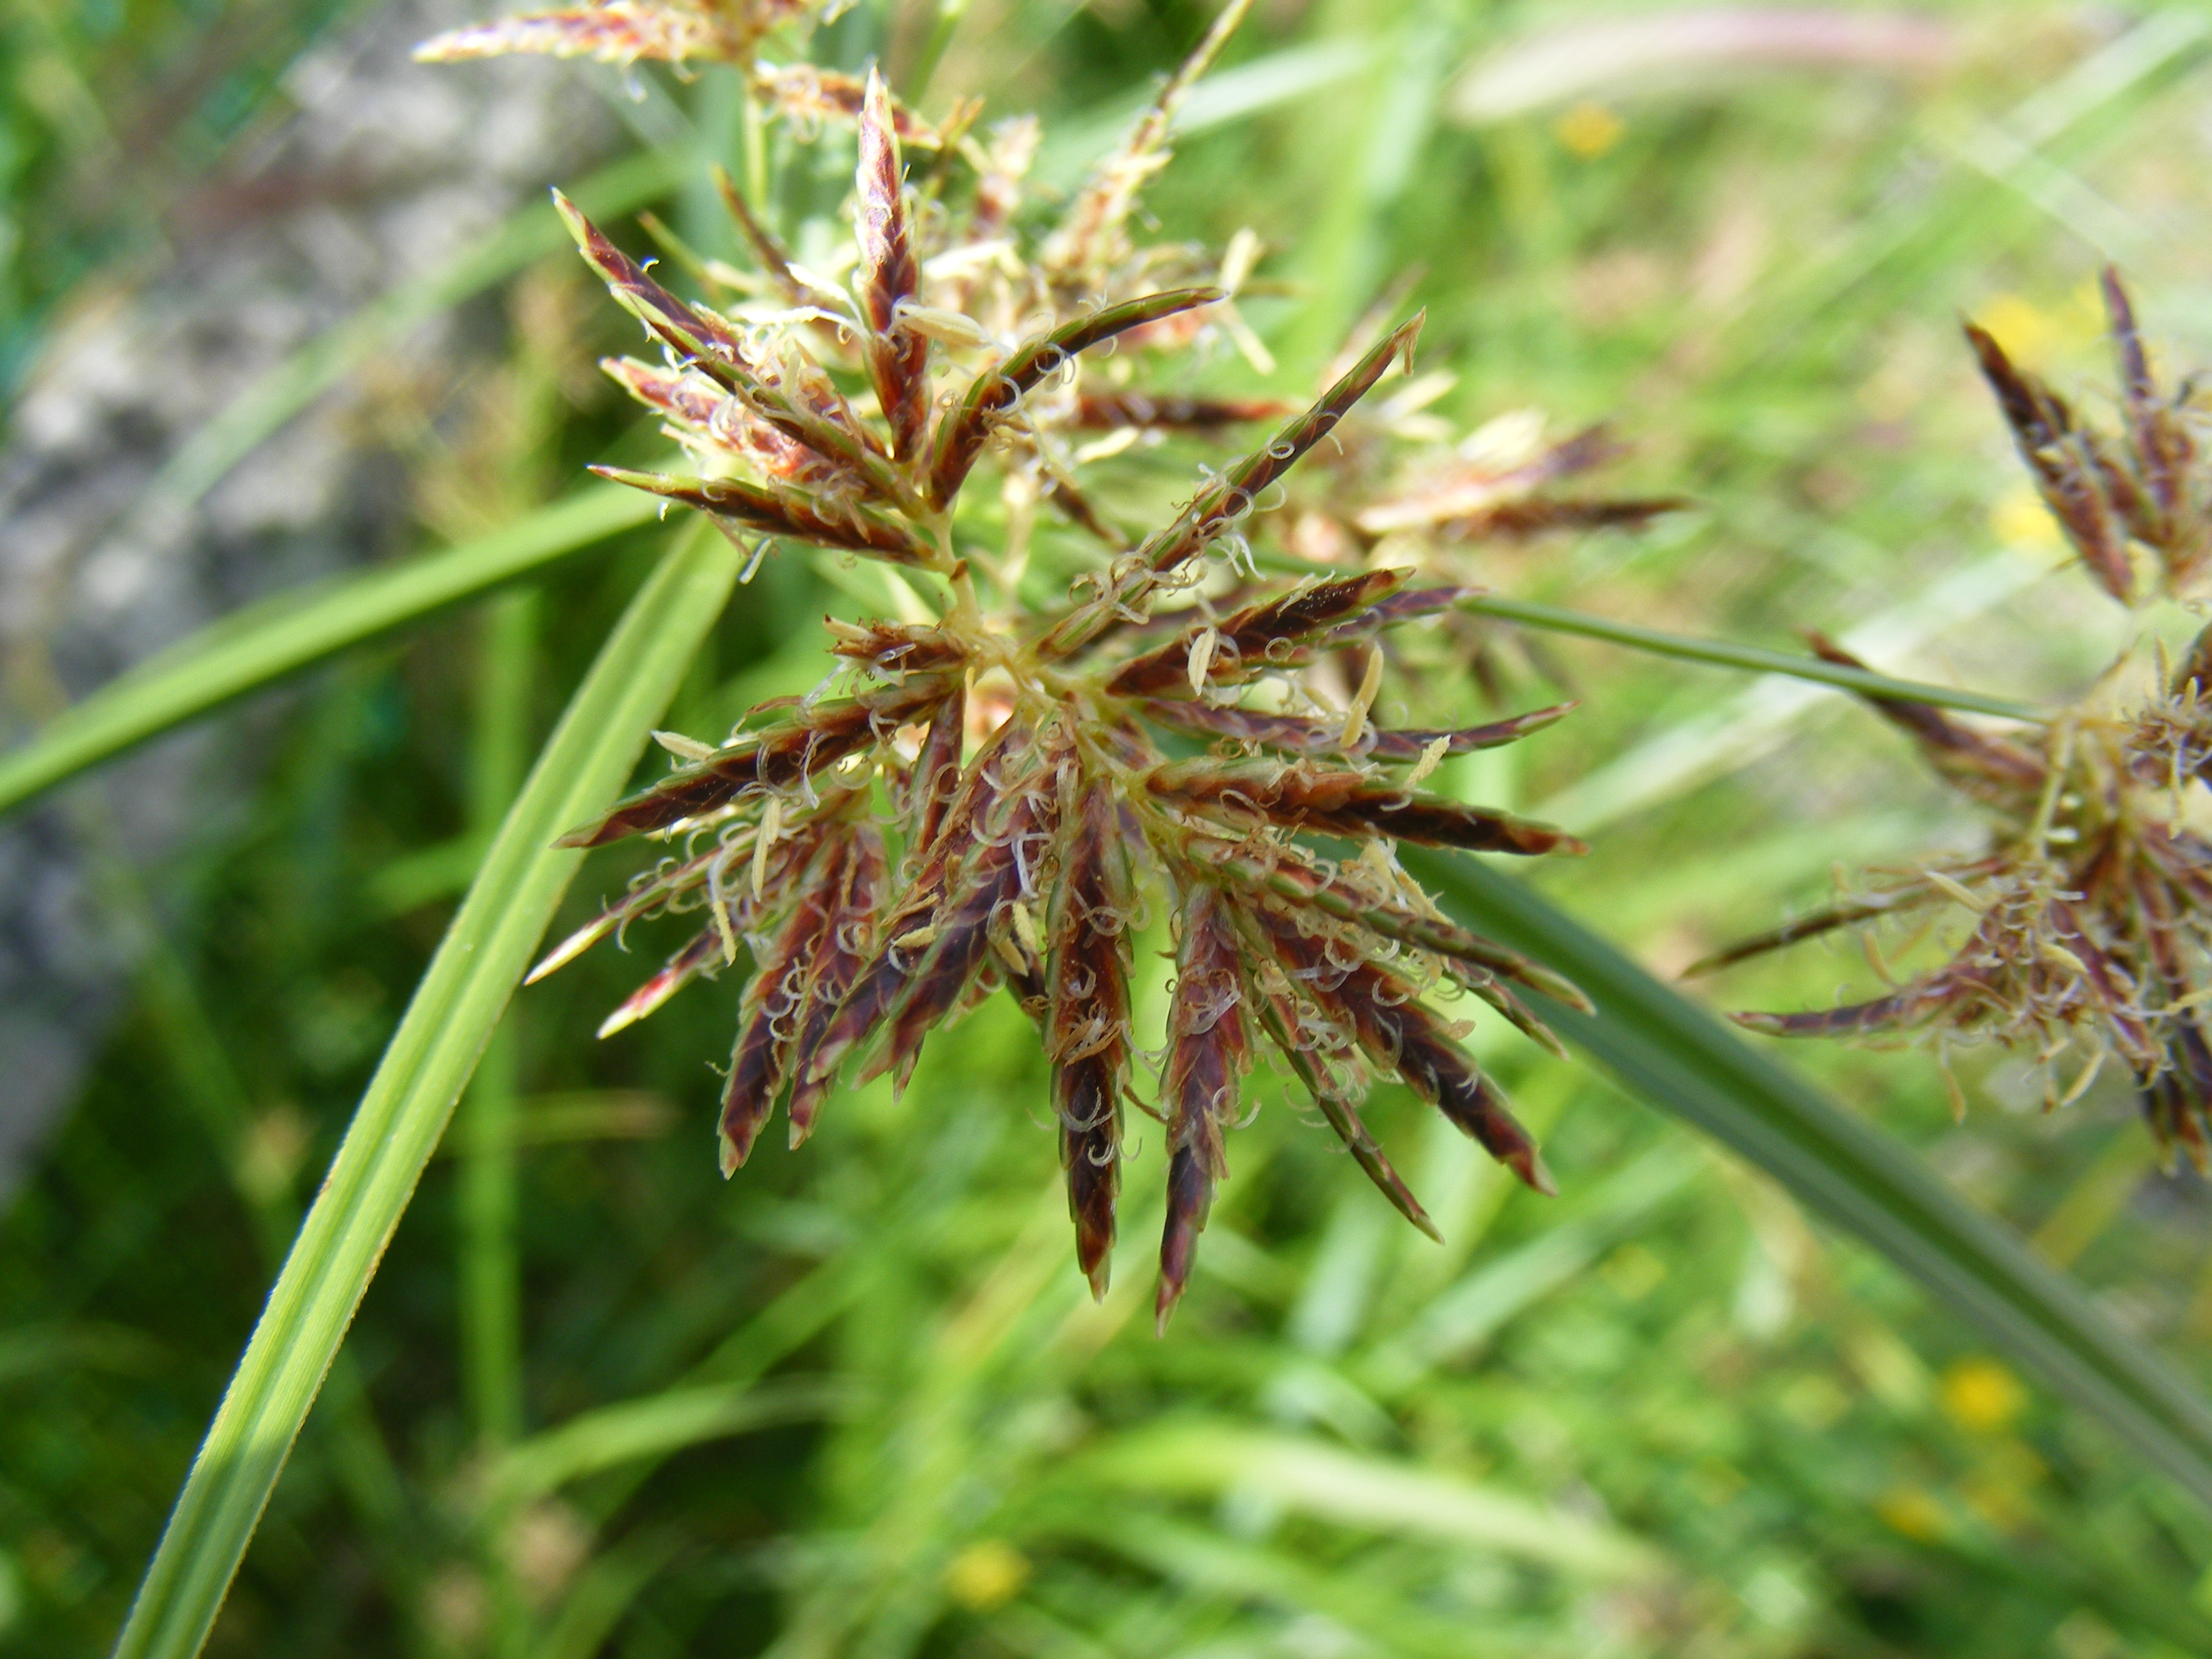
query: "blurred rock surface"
383, 169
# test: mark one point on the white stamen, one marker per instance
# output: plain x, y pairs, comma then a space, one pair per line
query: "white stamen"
1201, 657
1432, 756
685, 748
771, 826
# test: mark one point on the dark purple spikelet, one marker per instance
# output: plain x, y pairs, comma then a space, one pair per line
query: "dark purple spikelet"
997, 391
1224, 503
890, 275
1320, 738
1320, 1056
1087, 1017
740, 509
998, 872
1382, 1013
934, 780
1209, 1049
1109, 412
2065, 460
839, 953
807, 742
1255, 638
905, 933
774, 998
1299, 796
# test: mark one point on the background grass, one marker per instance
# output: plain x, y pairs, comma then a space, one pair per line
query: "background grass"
856, 1401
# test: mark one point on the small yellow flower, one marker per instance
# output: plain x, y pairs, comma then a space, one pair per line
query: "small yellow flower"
1589, 129
2025, 331
1982, 1395
988, 1573
2019, 519
1912, 1511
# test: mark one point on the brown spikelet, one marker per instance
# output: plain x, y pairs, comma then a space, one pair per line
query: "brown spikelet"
1301, 796
936, 776
1231, 496
1543, 515
2168, 514
775, 260
1087, 1020
894, 650
808, 741
2064, 461
620, 31
774, 998
700, 413
648, 895
1321, 738
694, 333
1209, 1049
1000, 871
1986, 766
1382, 1013
1307, 1041
993, 395
838, 955
1407, 604
1084, 513
677, 972
738, 509
1286, 874
1824, 921
898, 357
1226, 501
1881, 1014
816, 416
1258, 637
880, 983
809, 96
1109, 412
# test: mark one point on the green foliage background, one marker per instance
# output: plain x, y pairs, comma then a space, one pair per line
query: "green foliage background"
856, 1401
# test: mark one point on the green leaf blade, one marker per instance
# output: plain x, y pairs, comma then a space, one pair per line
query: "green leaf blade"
403, 1114
264, 643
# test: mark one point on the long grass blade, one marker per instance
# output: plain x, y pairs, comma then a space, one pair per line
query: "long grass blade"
424, 1069
290, 631
1680, 1059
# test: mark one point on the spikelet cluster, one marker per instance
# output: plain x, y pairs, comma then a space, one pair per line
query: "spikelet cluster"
2088, 919
1003, 796
1405, 487
625, 32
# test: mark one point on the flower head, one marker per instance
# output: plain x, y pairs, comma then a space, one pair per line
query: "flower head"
2084, 926
1005, 797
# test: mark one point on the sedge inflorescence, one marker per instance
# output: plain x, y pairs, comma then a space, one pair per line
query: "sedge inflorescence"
1004, 793
2089, 911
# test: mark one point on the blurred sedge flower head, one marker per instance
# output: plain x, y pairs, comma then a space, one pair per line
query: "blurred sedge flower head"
2089, 912
1003, 790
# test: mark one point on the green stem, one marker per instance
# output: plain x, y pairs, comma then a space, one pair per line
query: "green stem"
490, 1261
1752, 657
491, 1315
424, 1069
